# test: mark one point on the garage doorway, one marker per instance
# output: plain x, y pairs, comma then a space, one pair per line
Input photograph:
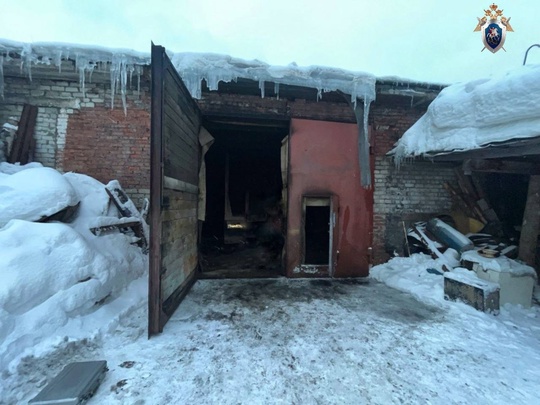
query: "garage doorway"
243, 234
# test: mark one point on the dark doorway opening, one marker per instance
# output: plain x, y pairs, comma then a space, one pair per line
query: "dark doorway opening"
243, 234
507, 194
317, 231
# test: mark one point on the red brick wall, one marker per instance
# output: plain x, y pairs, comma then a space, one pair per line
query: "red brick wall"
107, 144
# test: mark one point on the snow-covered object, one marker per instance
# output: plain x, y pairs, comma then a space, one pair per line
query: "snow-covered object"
61, 282
476, 114
9, 168
501, 264
33, 194
469, 277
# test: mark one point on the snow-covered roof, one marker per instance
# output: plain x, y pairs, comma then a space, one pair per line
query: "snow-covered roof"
476, 114
194, 67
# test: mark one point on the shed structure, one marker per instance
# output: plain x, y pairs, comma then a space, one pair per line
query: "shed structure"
252, 170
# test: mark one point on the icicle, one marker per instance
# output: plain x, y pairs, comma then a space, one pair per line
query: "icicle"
2, 76
123, 84
412, 101
113, 84
81, 81
276, 90
319, 93
138, 72
130, 77
58, 61
261, 87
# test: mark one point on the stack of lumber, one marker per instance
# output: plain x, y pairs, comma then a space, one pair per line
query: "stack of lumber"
24, 144
470, 198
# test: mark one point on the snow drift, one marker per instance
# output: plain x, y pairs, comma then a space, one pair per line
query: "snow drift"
34, 194
58, 279
476, 114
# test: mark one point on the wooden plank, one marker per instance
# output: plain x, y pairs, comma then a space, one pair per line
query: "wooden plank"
28, 136
530, 226
179, 185
504, 166
107, 228
156, 190
16, 148
527, 147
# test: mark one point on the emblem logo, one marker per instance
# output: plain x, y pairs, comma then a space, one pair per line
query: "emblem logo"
493, 27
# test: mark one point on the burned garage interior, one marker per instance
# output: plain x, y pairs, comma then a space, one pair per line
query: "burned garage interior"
242, 235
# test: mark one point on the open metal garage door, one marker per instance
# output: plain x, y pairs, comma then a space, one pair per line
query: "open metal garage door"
176, 122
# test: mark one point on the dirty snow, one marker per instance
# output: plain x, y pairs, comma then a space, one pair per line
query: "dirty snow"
311, 342
68, 295
476, 114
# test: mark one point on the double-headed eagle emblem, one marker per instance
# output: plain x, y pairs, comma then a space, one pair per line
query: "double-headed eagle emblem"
493, 27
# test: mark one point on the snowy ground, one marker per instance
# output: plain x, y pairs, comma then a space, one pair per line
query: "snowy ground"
312, 342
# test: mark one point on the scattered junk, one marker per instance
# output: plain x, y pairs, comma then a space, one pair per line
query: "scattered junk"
465, 286
487, 264
131, 219
74, 385
516, 280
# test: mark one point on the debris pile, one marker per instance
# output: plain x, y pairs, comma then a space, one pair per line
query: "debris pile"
477, 269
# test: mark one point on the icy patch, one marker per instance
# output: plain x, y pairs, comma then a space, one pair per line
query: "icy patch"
34, 194
473, 115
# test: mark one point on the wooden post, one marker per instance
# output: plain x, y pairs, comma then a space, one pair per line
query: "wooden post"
531, 223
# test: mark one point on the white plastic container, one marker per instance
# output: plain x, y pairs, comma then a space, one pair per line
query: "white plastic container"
515, 279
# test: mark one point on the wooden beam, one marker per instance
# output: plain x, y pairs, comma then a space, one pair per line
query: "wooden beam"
502, 166
531, 223
525, 147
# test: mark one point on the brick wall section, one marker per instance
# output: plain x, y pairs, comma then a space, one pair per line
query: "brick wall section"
106, 144
78, 131
412, 192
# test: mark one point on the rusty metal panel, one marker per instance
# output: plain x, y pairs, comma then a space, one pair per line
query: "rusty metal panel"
323, 161
175, 125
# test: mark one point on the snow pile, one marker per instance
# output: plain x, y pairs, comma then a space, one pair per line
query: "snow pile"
410, 274
476, 114
33, 194
59, 281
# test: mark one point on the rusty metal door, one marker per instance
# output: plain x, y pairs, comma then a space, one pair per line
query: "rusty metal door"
175, 154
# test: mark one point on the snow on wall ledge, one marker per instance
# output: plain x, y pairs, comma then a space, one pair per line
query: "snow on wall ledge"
473, 115
192, 67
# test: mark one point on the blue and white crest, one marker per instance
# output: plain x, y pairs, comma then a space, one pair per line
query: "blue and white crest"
493, 35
